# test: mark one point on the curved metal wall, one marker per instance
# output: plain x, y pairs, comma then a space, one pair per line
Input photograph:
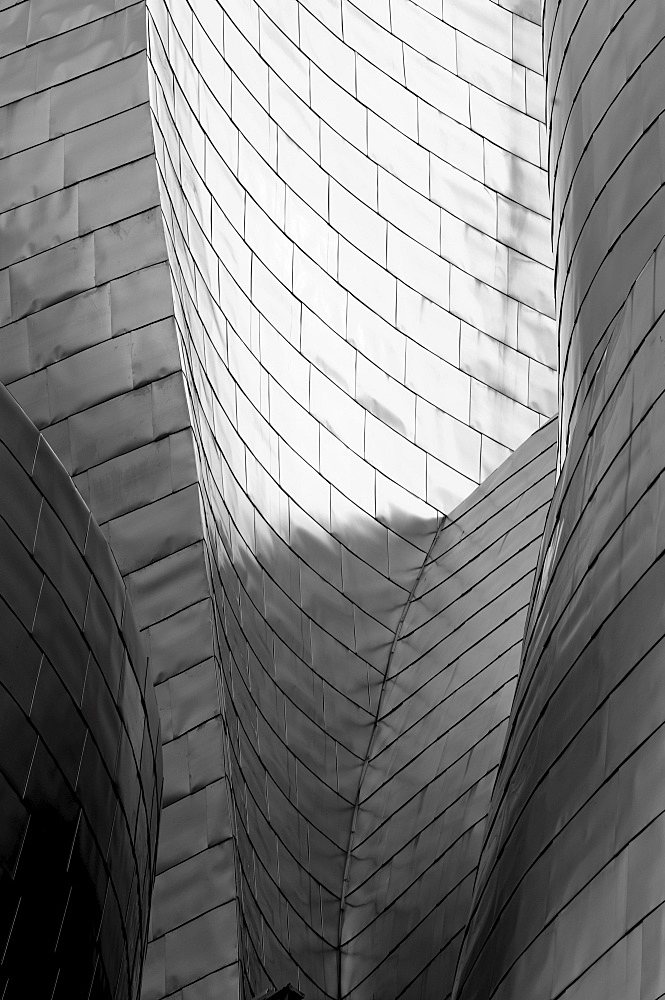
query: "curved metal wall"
570, 899
373, 186
80, 754
358, 235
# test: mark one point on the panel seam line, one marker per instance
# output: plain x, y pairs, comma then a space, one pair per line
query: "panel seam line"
370, 746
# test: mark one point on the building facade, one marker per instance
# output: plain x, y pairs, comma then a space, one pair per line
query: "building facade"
276, 285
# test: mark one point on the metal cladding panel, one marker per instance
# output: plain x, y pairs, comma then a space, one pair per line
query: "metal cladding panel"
356, 222
570, 898
80, 750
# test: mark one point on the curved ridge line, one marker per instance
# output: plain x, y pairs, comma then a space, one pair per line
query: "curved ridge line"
370, 746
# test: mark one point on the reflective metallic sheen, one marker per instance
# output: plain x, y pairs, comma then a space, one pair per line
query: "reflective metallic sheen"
429, 770
356, 222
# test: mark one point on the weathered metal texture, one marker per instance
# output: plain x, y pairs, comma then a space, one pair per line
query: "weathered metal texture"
80, 754
88, 347
346, 207
570, 901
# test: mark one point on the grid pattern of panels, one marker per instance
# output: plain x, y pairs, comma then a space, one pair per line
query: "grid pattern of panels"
358, 357
80, 756
440, 730
88, 347
366, 193
571, 900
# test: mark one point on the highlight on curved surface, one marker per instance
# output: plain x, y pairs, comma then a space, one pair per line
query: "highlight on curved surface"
80, 754
359, 190
570, 898
357, 358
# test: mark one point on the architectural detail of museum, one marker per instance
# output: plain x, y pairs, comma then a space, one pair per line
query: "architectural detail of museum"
276, 286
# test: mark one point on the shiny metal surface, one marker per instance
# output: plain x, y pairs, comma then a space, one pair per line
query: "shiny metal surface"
357, 327
570, 897
271, 364
80, 749
279, 304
